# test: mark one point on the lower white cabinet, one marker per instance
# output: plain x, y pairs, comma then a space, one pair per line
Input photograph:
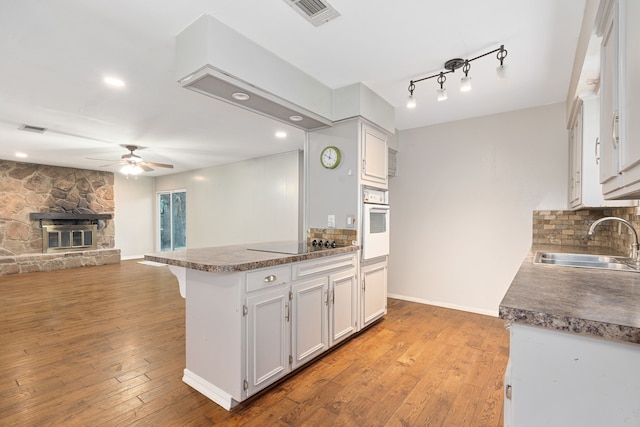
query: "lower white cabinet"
343, 307
309, 327
268, 338
561, 379
374, 290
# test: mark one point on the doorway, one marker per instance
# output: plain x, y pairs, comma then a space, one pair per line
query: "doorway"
172, 206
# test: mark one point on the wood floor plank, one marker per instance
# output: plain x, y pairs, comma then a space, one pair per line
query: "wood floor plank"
105, 346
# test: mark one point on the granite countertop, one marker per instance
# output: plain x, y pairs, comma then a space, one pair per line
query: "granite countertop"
583, 301
239, 257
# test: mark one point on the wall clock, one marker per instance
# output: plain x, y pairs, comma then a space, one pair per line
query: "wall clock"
330, 157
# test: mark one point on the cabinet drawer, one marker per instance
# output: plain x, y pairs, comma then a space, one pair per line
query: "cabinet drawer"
324, 265
268, 277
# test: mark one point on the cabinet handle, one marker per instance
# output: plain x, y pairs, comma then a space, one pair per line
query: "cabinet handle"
597, 151
326, 298
508, 392
270, 278
333, 297
286, 316
614, 126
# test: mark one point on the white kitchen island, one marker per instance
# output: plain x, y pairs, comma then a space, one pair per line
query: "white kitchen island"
253, 317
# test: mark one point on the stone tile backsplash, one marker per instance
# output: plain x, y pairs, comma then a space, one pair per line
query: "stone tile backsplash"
571, 227
342, 237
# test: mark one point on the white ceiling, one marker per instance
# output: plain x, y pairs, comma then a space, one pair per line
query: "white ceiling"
54, 54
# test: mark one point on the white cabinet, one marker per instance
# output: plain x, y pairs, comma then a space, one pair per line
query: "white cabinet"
324, 304
295, 313
575, 160
561, 379
309, 322
343, 319
585, 190
375, 152
620, 99
374, 291
267, 337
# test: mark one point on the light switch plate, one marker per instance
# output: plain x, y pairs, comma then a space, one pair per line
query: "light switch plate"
331, 221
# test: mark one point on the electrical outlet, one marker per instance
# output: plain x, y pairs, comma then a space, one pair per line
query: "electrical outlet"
331, 221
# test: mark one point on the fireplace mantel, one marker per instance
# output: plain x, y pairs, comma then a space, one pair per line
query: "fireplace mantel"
68, 216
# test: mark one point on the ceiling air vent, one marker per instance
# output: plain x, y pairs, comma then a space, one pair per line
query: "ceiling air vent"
315, 11
36, 129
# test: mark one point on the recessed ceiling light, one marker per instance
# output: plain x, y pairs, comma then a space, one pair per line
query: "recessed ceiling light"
296, 118
281, 134
113, 81
21, 155
240, 96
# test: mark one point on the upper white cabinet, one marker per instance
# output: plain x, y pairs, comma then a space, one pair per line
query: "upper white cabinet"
585, 190
620, 99
374, 168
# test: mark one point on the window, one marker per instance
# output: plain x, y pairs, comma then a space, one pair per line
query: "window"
172, 208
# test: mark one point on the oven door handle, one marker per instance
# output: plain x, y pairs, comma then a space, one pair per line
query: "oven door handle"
379, 209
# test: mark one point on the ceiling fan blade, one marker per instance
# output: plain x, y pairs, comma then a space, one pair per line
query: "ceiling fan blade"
144, 166
159, 165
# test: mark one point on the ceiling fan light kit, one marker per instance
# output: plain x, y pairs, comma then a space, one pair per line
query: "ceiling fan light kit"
451, 66
134, 164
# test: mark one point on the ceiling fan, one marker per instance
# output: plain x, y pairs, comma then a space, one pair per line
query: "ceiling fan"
132, 164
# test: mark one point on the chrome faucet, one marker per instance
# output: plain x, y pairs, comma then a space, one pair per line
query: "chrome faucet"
635, 247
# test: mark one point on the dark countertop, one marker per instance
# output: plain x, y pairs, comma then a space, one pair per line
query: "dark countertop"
583, 301
238, 257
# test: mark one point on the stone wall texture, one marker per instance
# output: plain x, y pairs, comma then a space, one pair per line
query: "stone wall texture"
57, 261
27, 188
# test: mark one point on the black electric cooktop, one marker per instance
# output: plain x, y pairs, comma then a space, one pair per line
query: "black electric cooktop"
291, 248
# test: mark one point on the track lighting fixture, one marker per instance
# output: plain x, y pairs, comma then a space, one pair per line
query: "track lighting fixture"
451, 66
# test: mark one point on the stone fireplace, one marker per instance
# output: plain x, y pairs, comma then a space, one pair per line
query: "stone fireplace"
54, 218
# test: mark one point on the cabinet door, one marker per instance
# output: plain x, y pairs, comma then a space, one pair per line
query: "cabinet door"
374, 157
374, 292
268, 336
575, 161
309, 324
609, 118
343, 293
629, 126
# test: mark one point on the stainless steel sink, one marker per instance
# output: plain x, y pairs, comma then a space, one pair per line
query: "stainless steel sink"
586, 261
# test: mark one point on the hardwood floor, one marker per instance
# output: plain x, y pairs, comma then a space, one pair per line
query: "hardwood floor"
104, 346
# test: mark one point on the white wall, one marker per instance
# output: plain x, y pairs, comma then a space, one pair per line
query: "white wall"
134, 215
461, 218
252, 201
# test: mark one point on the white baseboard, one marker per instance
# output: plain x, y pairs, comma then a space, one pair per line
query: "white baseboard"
212, 392
493, 313
128, 257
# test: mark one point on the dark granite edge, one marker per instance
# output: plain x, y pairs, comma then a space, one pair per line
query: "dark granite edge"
253, 265
583, 327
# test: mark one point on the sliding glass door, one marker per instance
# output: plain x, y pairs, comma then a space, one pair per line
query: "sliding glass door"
172, 207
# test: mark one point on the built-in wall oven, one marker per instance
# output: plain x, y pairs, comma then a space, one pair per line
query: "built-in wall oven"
375, 223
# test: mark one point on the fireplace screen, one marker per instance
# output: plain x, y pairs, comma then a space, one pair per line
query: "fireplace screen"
69, 237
